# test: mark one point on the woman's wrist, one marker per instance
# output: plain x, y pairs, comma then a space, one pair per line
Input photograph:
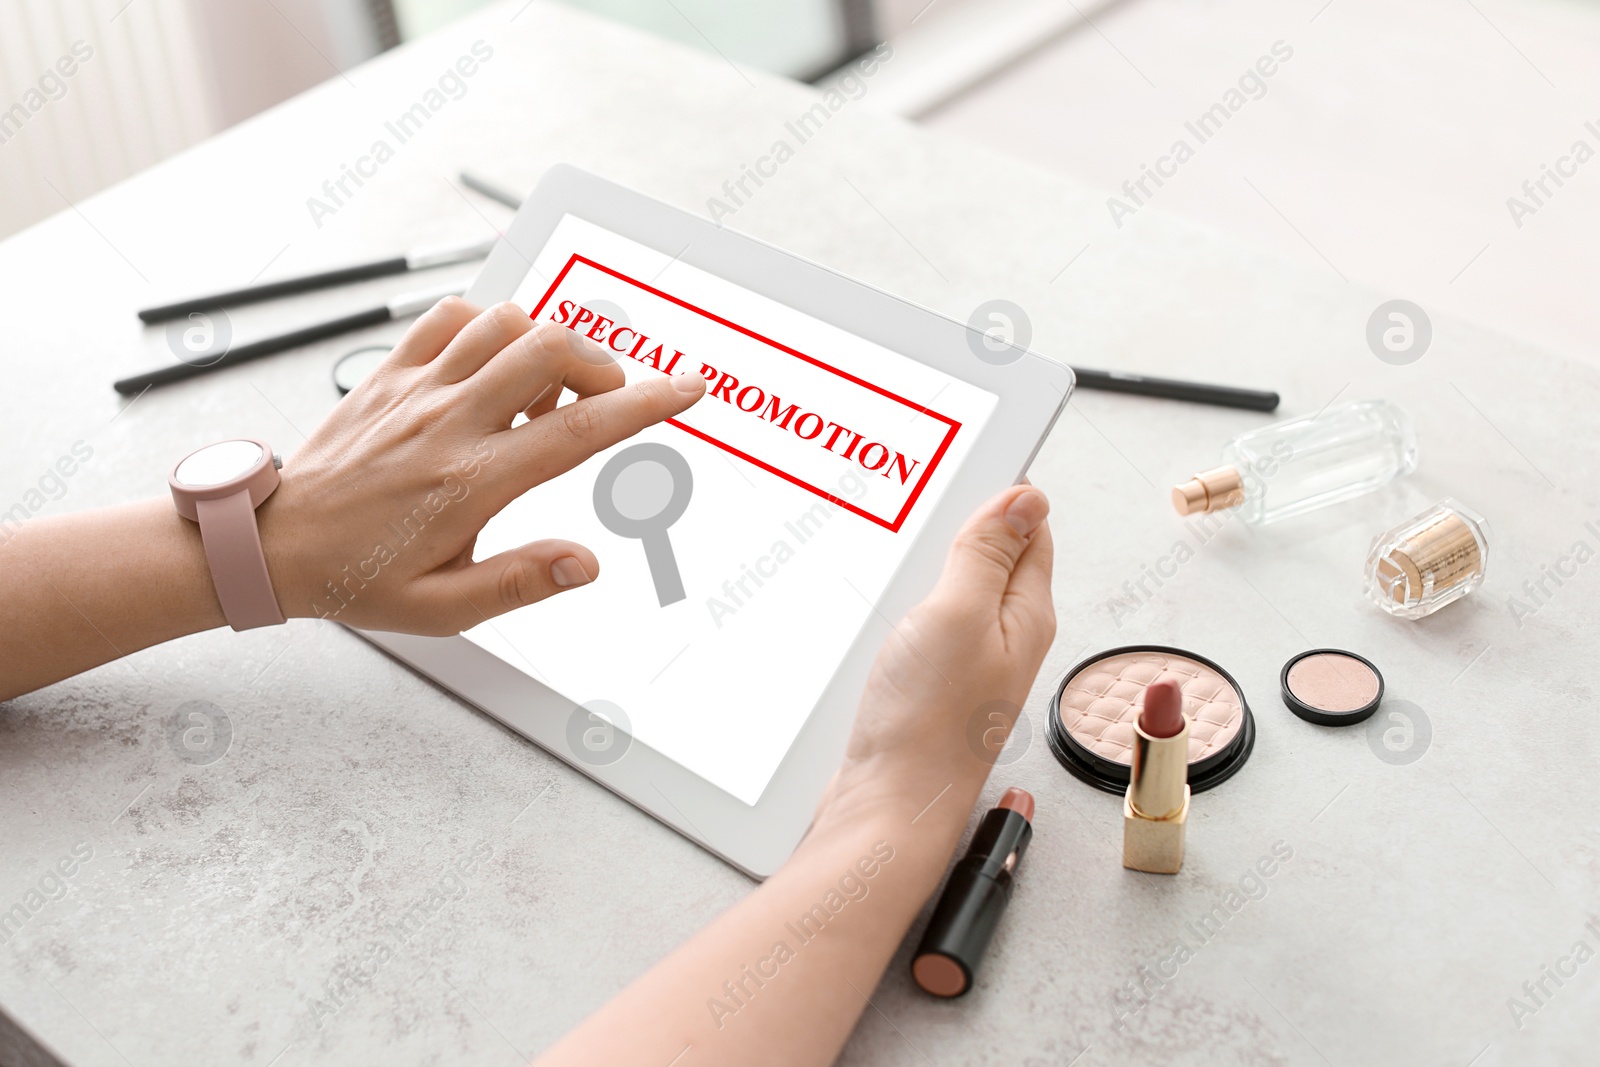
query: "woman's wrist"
300, 531
904, 851
184, 570
281, 543
889, 794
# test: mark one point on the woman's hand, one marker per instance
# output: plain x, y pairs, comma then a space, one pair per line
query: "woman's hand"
376, 517
951, 679
971, 648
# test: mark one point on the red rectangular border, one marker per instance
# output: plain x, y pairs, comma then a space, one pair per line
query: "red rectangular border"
922, 482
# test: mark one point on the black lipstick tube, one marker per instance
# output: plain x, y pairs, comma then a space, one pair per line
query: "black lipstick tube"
965, 919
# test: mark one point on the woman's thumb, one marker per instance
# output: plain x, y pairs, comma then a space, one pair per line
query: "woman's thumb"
986, 550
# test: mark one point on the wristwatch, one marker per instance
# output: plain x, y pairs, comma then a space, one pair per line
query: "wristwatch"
220, 486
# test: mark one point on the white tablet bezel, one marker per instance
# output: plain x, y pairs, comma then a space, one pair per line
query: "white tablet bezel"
1031, 392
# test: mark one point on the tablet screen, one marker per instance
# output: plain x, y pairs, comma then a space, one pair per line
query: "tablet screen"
742, 545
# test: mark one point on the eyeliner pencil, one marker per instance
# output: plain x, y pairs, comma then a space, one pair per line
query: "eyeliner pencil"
400, 307
1227, 396
419, 258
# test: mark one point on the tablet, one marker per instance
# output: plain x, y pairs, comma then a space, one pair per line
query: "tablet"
754, 549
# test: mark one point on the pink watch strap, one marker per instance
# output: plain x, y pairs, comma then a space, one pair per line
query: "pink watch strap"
238, 564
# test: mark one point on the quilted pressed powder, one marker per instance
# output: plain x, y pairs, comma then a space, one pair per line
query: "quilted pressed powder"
1092, 715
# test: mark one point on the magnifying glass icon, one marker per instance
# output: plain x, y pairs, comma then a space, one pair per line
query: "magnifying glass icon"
640, 492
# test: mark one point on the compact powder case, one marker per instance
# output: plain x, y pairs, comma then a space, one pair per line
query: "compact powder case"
1331, 687
1092, 715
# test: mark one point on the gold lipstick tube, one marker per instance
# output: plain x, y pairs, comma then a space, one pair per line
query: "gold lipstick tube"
1155, 809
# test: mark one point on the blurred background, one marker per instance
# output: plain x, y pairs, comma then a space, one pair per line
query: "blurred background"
1387, 149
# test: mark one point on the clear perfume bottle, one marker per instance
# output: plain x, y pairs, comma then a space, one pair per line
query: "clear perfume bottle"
1428, 561
1297, 466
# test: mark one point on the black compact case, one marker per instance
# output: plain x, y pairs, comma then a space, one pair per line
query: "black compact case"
1113, 776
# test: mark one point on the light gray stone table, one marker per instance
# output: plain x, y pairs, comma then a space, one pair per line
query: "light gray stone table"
221, 903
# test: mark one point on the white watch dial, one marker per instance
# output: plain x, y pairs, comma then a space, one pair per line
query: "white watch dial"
219, 463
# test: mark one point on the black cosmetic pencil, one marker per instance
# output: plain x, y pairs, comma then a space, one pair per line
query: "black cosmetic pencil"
1227, 396
204, 363
420, 258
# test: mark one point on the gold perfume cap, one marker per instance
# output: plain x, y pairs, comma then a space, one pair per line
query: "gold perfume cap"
1214, 490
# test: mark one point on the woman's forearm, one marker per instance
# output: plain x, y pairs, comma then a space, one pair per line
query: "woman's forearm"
784, 975
85, 589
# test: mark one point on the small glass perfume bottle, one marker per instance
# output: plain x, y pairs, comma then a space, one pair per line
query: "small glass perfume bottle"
1293, 467
1428, 561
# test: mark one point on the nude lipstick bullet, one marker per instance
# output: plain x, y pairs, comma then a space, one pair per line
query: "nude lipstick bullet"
1155, 809
979, 890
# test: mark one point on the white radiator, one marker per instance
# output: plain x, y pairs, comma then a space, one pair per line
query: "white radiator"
90, 92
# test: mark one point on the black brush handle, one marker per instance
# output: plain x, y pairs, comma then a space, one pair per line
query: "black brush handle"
1227, 396
252, 294
178, 372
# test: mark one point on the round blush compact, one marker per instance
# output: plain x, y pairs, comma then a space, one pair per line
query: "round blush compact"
1090, 726
1331, 687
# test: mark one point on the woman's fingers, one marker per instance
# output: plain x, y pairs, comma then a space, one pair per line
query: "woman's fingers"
432, 332
559, 440
480, 341
461, 597
510, 364
530, 372
544, 403
987, 550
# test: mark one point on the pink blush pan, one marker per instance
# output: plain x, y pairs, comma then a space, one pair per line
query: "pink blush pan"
1331, 687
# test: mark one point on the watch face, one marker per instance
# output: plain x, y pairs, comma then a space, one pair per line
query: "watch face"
219, 463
